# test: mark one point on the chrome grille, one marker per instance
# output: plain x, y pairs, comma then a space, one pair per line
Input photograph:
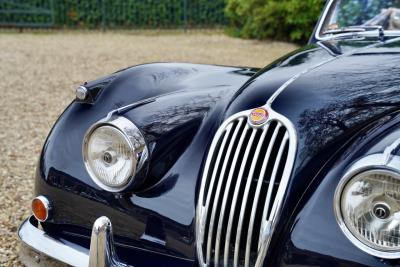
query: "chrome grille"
243, 185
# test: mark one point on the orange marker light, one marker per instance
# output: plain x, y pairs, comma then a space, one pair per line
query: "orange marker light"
41, 208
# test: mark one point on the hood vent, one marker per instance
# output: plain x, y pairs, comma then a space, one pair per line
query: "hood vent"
243, 186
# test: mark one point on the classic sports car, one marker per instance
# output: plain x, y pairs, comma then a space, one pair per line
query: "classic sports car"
296, 164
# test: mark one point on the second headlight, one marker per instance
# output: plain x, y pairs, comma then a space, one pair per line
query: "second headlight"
367, 206
114, 151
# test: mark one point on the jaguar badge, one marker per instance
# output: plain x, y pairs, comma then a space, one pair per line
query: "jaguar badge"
258, 116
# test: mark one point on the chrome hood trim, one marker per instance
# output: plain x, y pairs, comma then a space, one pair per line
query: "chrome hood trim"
322, 63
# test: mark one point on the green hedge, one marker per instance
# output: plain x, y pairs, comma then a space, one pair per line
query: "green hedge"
121, 13
22, 12
290, 20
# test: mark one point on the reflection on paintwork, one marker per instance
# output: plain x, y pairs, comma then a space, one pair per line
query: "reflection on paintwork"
347, 99
175, 114
187, 106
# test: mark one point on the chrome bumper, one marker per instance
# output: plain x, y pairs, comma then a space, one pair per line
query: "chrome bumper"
101, 253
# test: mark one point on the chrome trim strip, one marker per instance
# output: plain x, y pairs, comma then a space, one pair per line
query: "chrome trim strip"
389, 152
39, 241
322, 20
126, 108
359, 35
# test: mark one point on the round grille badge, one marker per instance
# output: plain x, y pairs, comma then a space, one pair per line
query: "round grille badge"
258, 116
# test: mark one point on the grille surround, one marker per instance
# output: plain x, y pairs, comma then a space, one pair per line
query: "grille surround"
224, 198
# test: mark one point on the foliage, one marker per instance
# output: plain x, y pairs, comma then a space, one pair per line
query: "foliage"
279, 19
118, 13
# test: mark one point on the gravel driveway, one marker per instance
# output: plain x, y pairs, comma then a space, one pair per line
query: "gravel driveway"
38, 74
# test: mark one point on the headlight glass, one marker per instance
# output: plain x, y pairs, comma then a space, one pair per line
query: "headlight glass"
114, 152
370, 208
109, 156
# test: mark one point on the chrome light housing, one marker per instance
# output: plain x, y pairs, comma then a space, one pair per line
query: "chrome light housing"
114, 151
367, 204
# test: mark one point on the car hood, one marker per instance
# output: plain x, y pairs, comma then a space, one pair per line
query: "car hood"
341, 88
338, 97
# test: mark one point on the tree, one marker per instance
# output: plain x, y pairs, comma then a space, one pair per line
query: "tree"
291, 20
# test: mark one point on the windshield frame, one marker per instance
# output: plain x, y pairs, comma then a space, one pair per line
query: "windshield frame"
325, 37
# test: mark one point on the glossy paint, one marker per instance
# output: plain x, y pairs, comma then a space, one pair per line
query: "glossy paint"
187, 102
311, 236
343, 101
355, 94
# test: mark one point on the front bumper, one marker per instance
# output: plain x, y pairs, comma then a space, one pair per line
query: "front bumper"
101, 253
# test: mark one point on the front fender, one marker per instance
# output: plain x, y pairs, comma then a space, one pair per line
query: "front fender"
187, 103
312, 237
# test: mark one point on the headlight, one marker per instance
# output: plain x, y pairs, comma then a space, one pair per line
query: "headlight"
367, 207
114, 151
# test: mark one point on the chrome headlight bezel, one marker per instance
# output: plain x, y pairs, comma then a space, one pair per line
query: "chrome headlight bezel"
376, 163
137, 145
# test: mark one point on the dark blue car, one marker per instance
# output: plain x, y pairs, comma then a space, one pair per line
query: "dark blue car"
296, 164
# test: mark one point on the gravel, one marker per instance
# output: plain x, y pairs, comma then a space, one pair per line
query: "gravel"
38, 74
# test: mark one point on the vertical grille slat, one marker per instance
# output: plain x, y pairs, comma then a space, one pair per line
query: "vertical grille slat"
235, 196
245, 199
218, 190
226, 194
272, 212
272, 184
215, 171
244, 181
217, 165
258, 190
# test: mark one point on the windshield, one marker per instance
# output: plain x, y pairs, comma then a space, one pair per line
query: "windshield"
361, 15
